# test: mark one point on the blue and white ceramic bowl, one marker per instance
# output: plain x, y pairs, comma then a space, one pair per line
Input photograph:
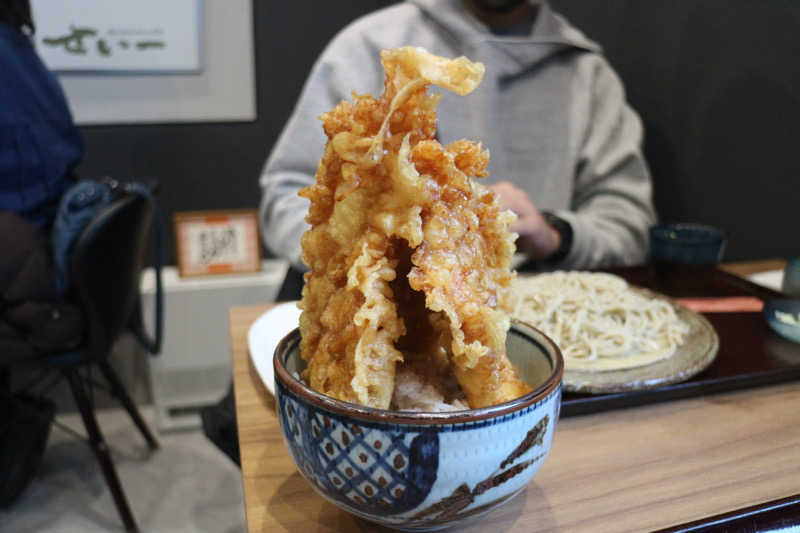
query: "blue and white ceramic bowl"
421, 471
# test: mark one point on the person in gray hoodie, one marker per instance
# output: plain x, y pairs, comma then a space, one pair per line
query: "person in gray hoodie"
565, 146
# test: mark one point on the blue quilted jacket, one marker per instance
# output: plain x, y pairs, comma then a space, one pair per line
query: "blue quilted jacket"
39, 143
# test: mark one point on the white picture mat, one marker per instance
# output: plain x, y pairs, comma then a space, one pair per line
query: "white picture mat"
223, 92
218, 243
141, 35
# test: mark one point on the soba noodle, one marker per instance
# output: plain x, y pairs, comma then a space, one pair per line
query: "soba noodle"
598, 321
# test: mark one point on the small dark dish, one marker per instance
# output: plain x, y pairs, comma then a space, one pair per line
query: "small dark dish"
687, 244
421, 471
775, 309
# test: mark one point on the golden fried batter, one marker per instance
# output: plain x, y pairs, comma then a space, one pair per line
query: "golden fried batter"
409, 256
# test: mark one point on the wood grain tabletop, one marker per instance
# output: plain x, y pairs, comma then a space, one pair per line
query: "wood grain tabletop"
635, 469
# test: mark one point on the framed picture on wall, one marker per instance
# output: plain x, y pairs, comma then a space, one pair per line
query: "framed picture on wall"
102, 36
217, 242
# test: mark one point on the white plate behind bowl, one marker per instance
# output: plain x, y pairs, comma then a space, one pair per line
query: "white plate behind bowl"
264, 336
772, 279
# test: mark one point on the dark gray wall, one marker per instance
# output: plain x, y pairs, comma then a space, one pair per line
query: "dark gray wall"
716, 82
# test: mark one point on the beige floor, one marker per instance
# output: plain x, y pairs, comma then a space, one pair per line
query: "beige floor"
186, 486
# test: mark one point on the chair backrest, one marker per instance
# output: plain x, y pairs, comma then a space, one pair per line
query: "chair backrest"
105, 266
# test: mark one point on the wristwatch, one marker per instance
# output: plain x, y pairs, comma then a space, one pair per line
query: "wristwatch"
565, 231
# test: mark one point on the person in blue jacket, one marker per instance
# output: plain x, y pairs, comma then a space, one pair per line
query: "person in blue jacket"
39, 150
40, 146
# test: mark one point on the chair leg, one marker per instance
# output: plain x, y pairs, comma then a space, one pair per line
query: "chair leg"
100, 449
119, 391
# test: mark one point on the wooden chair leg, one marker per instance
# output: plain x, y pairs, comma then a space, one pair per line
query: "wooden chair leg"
100, 449
119, 391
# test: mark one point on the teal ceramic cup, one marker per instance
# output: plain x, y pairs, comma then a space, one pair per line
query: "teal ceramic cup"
687, 244
791, 278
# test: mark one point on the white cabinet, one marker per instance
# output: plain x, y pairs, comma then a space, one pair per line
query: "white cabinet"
194, 367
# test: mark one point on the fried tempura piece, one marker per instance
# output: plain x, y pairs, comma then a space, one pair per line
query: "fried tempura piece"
409, 256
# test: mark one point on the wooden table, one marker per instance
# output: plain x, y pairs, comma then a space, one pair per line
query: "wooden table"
635, 469
745, 268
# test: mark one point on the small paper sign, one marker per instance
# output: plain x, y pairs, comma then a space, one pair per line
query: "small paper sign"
217, 242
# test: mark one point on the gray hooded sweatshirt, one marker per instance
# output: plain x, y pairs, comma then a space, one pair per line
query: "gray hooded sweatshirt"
550, 109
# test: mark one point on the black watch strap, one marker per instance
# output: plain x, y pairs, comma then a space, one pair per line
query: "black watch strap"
565, 231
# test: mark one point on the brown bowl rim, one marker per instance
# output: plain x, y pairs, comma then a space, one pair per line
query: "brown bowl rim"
420, 418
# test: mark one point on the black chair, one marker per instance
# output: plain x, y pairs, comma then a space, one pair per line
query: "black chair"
106, 261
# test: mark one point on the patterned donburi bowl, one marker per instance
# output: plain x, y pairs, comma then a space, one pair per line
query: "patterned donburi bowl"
421, 471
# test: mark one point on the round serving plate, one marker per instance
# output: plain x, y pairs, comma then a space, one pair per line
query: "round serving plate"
695, 354
264, 336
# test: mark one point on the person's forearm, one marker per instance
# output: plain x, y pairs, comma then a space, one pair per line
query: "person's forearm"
541, 243
612, 207
282, 225
604, 239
